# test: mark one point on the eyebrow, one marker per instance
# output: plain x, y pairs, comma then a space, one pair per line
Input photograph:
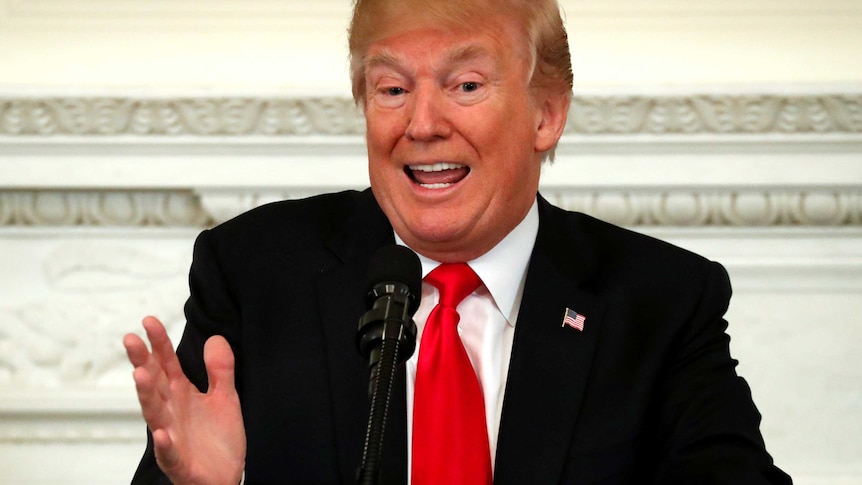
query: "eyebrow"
459, 55
467, 53
383, 58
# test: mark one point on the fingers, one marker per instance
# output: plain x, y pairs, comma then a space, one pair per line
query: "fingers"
219, 361
136, 349
161, 366
152, 399
162, 349
153, 372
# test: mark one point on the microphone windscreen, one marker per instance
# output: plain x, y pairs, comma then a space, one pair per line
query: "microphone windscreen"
396, 263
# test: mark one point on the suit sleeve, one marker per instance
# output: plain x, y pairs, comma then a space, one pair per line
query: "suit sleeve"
707, 423
210, 310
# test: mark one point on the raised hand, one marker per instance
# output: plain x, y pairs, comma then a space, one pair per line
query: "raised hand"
198, 437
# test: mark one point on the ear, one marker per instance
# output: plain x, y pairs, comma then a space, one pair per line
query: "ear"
552, 120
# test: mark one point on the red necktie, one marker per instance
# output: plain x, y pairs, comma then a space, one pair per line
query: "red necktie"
450, 438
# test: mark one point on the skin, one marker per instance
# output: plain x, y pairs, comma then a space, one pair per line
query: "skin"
461, 98
198, 437
433, 96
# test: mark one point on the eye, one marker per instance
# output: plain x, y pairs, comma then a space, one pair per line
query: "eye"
469, 87
389, 96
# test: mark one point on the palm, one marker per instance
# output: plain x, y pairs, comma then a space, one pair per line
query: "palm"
198, 437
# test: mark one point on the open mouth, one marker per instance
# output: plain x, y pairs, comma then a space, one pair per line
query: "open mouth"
437, 175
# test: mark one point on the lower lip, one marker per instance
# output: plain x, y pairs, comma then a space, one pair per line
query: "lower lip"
441, 185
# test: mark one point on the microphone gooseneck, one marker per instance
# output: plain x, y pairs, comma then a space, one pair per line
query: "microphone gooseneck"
387, 338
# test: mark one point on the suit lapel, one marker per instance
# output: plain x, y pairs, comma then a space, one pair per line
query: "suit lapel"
548, 370
341, 301
550, 362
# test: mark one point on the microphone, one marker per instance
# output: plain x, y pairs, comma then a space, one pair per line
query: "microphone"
387, 338
394, 289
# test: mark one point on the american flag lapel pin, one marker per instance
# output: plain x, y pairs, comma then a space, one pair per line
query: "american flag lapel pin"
574, 320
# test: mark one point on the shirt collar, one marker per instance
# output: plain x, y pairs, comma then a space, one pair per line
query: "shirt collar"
503, 269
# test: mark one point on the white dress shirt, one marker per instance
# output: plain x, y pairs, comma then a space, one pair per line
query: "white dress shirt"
488, 317
487, 325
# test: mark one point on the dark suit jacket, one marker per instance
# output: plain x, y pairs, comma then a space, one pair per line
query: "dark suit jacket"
646, 393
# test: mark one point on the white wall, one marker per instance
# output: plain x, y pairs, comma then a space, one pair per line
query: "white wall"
281, 46
732, 128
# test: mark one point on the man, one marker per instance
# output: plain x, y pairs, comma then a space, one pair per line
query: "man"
600, 354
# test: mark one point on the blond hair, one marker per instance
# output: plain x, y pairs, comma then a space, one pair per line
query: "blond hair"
541, 24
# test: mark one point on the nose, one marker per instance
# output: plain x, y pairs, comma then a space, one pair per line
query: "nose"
428, 119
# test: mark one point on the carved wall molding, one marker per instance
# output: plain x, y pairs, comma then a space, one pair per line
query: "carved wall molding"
643, 207
710, 114
708, 208
68, 428
697, 114
102, 208
180, 116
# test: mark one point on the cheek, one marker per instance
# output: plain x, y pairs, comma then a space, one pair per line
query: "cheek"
382, 157
372, 134
383, 129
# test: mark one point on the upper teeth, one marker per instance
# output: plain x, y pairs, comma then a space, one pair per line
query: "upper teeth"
436, 167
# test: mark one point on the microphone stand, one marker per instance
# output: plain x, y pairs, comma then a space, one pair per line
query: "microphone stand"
387, 336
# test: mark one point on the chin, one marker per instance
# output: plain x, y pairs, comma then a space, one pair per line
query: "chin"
436, 235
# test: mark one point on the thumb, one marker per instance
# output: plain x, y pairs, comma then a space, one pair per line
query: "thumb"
219, 362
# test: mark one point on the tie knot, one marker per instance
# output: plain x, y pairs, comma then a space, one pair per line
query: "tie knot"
454, 281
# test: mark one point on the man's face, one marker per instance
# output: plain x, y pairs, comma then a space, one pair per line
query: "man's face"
454, 136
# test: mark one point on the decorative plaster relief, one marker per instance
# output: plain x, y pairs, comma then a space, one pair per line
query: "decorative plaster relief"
71, 336
221, 206
590, 115
635, 208
188, 116
732, 208
102, 208
716, 114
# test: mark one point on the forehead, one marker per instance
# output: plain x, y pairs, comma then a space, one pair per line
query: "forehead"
494, 39
416, 49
